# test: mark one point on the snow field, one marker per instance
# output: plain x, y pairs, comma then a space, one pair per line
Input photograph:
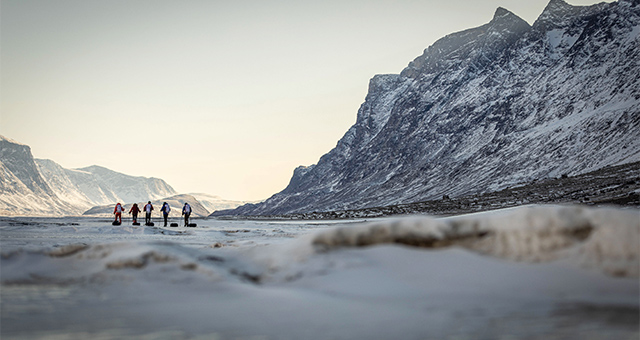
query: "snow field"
551, 272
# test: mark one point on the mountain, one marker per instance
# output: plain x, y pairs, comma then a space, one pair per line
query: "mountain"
486, 108
23, 190
96, 185
213, 203
65, 188
104, 186
42, 187
176, 203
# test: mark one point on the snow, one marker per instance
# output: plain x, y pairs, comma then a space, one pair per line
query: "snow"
633, 35
528, 272
213, 203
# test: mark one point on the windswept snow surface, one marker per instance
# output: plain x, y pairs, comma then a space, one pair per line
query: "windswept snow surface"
527, 273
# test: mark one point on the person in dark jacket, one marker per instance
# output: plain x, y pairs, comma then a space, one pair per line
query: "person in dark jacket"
165, 212
134, 212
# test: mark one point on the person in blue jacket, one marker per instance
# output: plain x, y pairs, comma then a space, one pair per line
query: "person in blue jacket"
165, 212
186, 211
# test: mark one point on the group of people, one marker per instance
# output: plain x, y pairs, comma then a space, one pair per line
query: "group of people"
148, 208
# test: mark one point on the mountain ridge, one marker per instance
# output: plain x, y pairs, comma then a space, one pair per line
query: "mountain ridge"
22, 188
41, 187
485, 108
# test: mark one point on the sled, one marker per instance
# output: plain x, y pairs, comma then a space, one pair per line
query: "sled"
173, 225
150, 224
192, 225
115, 223
136, 223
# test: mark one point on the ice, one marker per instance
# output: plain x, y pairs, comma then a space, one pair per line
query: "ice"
528, 272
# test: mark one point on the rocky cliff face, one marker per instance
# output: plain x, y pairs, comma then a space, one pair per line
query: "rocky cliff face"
23, 190
486, 108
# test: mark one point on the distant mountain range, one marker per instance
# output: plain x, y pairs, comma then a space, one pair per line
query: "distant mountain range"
484, 109
41, 187
95, 185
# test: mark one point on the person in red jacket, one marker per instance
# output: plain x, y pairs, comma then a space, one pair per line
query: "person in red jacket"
118, 211
134, 212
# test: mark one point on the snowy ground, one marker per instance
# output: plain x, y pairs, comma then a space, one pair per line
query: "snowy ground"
524, 273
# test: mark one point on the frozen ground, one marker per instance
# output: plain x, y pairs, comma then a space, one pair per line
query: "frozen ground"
524, 273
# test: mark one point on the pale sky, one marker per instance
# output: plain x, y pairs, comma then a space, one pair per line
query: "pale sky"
220, 97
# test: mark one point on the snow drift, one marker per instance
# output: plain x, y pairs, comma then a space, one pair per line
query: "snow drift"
606, 239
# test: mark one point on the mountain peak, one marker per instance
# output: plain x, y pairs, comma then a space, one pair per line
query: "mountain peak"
559, 13
504, 15
93, 168
474, 46
558, 6
9, 140
507, 20
554, 12
501, 12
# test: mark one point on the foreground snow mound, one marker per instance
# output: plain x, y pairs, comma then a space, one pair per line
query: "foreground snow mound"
606, 239
113, 262
295, 280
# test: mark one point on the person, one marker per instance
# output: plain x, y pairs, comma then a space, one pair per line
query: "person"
118, 211
134, 212
148, 209
186, 211
165, 212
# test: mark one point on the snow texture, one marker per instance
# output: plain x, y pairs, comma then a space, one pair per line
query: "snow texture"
533, 272
604, 239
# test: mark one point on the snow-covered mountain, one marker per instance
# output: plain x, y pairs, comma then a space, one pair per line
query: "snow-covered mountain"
31, 186
103, 186
213, 202
65, 188
96, 185
23, 190
486, 108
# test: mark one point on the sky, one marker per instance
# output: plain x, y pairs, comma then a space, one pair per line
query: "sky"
218, 97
